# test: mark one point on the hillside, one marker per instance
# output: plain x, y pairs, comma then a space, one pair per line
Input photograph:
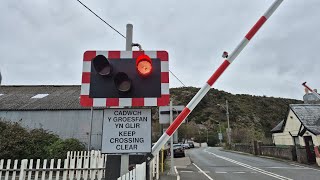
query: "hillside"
256, 114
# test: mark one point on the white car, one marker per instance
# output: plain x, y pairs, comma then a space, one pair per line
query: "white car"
186, 146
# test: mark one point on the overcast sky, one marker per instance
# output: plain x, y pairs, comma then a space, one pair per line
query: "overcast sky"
42, 41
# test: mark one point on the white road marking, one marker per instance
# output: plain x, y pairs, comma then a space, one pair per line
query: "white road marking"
186, 171
285, 168
251, 167
305, 167
203, 172
239, 172
177, 173
181, 166
296, 165
220, 172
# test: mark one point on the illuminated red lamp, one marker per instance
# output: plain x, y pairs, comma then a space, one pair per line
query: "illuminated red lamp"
144, 65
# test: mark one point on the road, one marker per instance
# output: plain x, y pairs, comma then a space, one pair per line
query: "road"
214, 164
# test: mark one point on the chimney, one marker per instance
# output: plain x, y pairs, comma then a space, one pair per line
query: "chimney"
306, 90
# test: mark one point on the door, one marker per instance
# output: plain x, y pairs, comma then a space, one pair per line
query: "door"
310, 149
296, 143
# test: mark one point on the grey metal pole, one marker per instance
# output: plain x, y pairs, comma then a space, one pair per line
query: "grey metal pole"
229, 130
129, 37
220, 132
90, 131
207, 136
125, 157
171, 142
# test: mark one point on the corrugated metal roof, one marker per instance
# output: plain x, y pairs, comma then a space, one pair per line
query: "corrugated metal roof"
59, 98
309, 116
279, 128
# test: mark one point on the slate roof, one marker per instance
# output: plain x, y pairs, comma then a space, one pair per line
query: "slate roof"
309, 116
59, 98
279, 127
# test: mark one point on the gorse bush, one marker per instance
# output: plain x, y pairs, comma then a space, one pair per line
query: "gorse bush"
17, 142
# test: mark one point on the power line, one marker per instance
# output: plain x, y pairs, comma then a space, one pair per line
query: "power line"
121, 34
101, 19
177, 78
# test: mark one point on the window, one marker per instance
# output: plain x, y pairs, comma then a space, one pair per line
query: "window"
39, 96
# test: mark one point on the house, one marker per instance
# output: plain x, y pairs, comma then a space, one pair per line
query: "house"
53, 108
300, 129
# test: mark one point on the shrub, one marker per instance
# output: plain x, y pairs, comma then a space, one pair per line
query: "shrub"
59, 149
13, 141
17, 142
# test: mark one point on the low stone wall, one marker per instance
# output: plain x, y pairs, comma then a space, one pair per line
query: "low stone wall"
284, 152
279, 152
255, 148
247, 148
302, 155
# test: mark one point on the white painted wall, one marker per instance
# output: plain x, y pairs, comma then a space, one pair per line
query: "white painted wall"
292, 126
65, 123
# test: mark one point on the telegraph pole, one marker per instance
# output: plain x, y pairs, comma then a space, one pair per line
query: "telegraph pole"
229, 130
207, 136
220, 133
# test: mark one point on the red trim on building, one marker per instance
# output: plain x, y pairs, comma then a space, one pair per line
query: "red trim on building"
316, 150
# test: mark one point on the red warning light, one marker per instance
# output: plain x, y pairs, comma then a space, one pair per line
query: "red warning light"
144, 65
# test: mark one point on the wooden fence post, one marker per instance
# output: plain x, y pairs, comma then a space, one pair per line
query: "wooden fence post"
24, 165
14, 167
1, 166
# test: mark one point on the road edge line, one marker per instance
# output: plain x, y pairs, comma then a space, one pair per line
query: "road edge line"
177, 173
210, 178
311, 168
277, 176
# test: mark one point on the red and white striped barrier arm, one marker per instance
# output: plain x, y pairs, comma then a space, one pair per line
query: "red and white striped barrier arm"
313, 92
203, 91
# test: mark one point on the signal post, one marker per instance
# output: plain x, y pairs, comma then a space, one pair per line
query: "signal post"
121, 79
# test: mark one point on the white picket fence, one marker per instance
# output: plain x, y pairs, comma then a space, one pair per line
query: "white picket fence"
78, 165
155, 167
139, 172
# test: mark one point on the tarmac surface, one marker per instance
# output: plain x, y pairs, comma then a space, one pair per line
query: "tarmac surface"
214, 164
